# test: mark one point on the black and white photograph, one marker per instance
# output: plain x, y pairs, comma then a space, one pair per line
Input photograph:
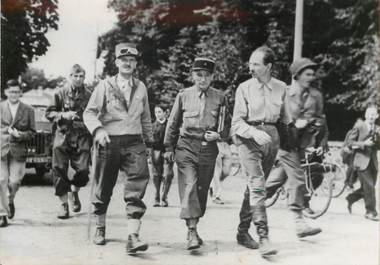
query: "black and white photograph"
190, 132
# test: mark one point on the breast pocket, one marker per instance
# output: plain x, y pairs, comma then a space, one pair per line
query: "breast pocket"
191, 119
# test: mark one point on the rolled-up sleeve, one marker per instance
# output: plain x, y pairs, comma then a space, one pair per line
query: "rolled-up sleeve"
238, 125
93, 109
174, 124
146, 122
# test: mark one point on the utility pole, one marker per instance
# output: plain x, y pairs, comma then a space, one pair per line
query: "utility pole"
298, 27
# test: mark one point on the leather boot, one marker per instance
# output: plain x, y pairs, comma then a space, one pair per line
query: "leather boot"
192, 239
157, 185
302, 228
266, 248
76, 202
245, 239
134, 243
63, 211
166, 186
100, 235
3, 221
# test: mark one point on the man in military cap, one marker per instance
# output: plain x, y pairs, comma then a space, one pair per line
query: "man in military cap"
260, 103
118, 116
306, 109
198, 118
72, 140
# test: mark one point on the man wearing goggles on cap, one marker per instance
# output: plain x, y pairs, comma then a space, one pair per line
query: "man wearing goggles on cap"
118, 116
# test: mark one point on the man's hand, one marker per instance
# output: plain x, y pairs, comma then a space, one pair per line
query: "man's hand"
14, 132
368, 142
319, 151
69, 115
260, 137
211, 136
101, 137
169, 156
300, 123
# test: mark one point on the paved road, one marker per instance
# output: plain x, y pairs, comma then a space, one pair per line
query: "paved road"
36, 236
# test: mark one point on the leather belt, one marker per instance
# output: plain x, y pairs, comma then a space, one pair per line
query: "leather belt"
258, 123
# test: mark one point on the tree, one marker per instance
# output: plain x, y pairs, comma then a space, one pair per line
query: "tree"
24, 24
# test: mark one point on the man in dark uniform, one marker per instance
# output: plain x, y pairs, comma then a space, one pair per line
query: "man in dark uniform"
72, 140
260, 103
118, 116
306, 108
197, 119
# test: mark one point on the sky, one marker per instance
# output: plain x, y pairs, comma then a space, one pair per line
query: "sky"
80, 22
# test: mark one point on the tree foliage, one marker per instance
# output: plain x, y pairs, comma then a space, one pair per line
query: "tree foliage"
24, 24
340, 35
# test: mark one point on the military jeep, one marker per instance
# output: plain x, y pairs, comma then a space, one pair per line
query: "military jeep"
40, 146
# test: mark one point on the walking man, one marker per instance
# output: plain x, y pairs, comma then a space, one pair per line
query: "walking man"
199, 118
118, 116
364, 139
306, 108
72, 140
260, 103
17, 127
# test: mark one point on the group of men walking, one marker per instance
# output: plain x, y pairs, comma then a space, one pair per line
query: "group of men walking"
271, 124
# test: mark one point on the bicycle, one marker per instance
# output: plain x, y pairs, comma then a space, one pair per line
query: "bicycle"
319, 189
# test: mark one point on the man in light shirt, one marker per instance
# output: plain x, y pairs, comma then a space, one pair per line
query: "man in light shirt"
260, 103
17, 127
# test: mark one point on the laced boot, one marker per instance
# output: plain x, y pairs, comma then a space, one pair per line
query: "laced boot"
302, 228
134, 243
100, 235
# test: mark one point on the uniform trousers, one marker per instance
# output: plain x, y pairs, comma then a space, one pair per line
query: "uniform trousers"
257, 161
195, 162
288, 166
128, 154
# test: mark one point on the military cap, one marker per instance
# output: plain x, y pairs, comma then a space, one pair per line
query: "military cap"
201, 63
300, 64
126, 49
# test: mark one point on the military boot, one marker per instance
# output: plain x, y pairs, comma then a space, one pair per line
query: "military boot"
302, 228
100, 235
63, 211
134, 243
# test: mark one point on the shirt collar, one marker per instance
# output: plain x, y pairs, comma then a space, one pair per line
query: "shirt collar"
13, 105
269, 84
205, 92
122, 81
161, 121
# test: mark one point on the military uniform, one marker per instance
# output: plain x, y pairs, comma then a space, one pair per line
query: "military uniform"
258, 106
72, 140
195, 112
130, 129
306, 105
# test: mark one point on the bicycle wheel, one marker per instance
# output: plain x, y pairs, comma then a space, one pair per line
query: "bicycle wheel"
272, 200
320, 195
339, 182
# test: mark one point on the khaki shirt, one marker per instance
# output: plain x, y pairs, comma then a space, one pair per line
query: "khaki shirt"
259, 102
194, 113
106, 109
308, 105
68, 99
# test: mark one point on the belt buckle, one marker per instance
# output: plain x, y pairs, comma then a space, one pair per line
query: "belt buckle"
204, 143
